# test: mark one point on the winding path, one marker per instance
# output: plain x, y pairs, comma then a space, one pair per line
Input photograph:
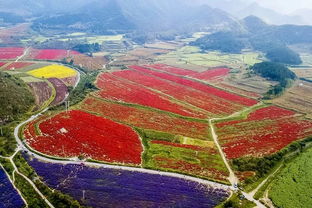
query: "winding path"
65, 161
253, 192
12, 182
74, 161
24, 54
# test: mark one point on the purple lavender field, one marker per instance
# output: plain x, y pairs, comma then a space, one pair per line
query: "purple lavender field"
9, 198
117, 188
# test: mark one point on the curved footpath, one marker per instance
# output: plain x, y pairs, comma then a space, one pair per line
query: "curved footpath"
33, 153
233, 179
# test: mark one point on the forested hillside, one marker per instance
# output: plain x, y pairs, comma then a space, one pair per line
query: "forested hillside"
15, 98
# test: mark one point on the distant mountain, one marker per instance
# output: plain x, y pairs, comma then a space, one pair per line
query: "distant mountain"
39, 7
268, 15
285, 34
102, 16
254, 24
242, 9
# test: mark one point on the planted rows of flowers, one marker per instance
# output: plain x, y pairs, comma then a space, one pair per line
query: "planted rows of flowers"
50, 54
113, 88
171, 69
11, 53
265, 131
188, 159
39, 54
146, 119
212, 74
97, 187
239, 91
198, 86
8, 195
213, 105
18, 65
208, 75
169, 155
53, 71
61, 90
77, 133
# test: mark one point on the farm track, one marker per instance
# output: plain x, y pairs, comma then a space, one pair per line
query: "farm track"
232, 178
12, 182
24, 54
74, 161
11, 158
253, 192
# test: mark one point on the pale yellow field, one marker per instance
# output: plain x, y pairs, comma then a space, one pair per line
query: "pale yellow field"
53, 71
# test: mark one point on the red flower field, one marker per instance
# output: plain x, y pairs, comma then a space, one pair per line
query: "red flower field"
146, 119
199, 86
171, 69
114, 88
18, 65
51, 54
238, 90
215, 106
212, 74
82, 134
11, 53
264, 132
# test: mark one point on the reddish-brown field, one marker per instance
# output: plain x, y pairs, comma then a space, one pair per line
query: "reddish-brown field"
42, 92
61, 90
90, 63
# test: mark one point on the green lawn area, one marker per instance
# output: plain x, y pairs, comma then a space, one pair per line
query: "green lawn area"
293, 187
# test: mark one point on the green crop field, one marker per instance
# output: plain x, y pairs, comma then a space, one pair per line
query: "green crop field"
293, 187
192, 55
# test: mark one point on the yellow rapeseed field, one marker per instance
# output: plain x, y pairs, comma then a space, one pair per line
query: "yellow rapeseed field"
55, 71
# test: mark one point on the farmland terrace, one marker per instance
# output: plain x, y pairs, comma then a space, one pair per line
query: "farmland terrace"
156, 121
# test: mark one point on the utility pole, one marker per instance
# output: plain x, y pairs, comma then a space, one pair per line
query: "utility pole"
67, 106
83, 195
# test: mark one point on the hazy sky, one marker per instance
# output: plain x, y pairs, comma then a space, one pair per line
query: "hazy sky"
285, 6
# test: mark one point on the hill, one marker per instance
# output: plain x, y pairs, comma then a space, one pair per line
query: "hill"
120, 16
15, 98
